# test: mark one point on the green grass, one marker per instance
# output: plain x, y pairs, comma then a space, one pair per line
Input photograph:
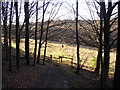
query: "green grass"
94, 61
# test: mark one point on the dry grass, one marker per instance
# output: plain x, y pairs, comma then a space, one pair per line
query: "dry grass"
87, 54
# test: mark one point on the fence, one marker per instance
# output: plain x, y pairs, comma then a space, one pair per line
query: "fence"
61, 59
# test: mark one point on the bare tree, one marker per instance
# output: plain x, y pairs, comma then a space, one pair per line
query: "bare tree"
99, 56
46, 38
94, 34
10, 23
0, 48
116, 81
102, 5
39, 49
107, 13
77, 35
106, 29
17, 36
52, 15
77, 39
26, 7
35, 48
106, 42
41, 34
5, 14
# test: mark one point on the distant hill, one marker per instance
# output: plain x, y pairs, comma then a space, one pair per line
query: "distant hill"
64, 31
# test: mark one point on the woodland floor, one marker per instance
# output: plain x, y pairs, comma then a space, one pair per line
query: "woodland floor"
50, 75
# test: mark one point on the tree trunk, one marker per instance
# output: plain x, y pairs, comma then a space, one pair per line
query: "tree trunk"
77, 39
99, 57
35, 48
26, 6
10, 23
39, 48
106, 49
17, 36
46, 38
116, 81
5, 13
102, 11
97, 69
106, 43
0, 49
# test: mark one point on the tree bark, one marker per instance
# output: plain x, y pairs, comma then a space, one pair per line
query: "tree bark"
17, 36
102, 11
106, 30
41, 34
26, 6
5, 13
10, 23
46, 38
35, 48
0, 49
116, 81
77, 39
97, 69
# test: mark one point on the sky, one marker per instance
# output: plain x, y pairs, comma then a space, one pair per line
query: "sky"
66, 11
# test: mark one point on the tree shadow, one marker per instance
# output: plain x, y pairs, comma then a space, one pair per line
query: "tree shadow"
86, 78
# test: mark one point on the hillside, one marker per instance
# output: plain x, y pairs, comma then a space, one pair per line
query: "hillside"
61, 42
64, 31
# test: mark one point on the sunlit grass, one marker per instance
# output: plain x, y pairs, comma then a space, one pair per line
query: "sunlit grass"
88, 54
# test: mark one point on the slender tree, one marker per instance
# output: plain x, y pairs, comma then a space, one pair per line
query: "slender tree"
5, 15
10, 23
39, 48
17, 36
102, 5
0, 48
77, 39
51, 17
46, 39
99, 57
35, 48
41, 34
26, 7
116, 81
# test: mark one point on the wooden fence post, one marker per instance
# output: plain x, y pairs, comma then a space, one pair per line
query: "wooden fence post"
72, 62
50, 57
61, 59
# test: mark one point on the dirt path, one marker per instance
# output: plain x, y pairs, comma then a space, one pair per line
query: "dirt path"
52, 77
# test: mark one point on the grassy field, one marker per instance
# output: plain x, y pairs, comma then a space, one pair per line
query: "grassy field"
87, 54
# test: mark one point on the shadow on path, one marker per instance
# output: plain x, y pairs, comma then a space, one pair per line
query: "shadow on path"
52, 77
